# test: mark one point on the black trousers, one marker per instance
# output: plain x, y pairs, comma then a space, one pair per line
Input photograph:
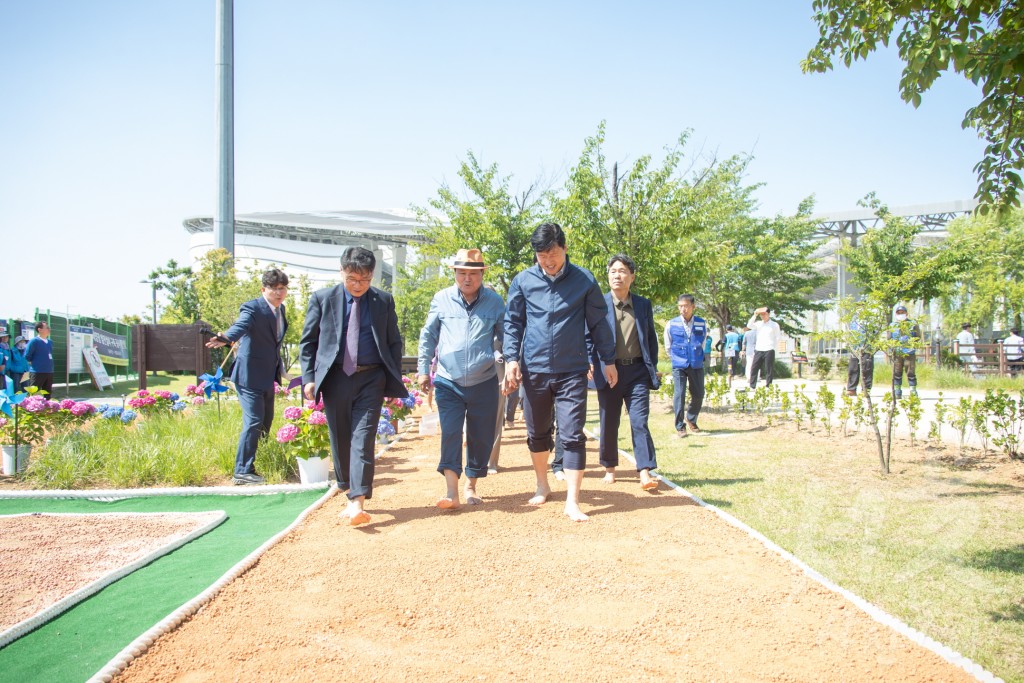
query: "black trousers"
42, 381
860, 362
352, 404
764, 361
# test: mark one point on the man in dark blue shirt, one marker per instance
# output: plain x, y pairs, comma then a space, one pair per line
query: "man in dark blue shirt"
551, 307
39, 354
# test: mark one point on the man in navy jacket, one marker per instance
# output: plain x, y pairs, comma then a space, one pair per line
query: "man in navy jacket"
259, 331
551, 308
631, 321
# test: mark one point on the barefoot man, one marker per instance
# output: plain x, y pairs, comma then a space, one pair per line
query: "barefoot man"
351, 354
631, 319
551, 307
463, 323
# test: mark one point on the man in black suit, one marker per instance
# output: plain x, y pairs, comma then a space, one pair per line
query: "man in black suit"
260, 328
353, 366
631, 319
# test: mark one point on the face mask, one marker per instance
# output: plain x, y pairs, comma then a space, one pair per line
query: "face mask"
21, 346
901, 317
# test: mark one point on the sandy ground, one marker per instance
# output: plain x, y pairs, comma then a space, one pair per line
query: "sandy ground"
46, 557
653, 587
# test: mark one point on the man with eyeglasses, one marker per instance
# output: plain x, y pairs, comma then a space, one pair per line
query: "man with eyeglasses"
351, 354
259, 333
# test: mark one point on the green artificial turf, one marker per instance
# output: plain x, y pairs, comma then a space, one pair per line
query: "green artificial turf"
79, 642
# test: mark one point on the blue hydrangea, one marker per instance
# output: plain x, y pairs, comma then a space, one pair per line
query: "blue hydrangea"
409, 402
178, 406
385, 414
127, 416
175, 397
384, 428
111, 412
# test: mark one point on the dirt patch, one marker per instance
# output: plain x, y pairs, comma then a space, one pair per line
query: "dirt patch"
46, 557
654, 587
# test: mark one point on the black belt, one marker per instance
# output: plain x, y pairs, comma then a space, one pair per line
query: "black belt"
630, 361
364, 368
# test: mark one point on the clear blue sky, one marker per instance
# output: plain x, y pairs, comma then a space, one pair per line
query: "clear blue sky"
107, 116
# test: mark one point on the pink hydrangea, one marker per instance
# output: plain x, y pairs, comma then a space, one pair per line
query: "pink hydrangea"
67, 404
191, 390
162, 394
198, 401
34, 404
54, 406
142, 393
142, 401
287, 433
292, 413
80, 409
3, 421
313, 405
317, 418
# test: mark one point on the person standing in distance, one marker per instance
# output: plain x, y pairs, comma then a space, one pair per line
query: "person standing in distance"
351, 353
259, 331
631, 320
462, 325
684, 339
551, 307
765, 342
39, 355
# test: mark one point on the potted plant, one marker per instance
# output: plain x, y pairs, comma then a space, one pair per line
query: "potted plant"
305, 434
23, 428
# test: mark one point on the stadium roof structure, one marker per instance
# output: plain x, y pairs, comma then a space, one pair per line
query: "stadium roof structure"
324, 227
310, 242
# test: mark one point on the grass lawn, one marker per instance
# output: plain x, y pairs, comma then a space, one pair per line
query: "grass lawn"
161, 380
940, 548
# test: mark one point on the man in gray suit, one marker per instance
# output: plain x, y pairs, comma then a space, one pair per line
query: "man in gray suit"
351, 355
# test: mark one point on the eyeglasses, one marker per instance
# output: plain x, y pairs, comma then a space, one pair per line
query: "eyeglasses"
358, 280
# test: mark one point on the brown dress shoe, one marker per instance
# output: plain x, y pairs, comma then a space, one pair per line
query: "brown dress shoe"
693, 427
681, 433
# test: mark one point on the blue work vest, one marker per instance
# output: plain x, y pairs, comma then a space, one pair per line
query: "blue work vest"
687, 351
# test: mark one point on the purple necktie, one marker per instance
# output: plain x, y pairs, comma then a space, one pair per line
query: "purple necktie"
352, 340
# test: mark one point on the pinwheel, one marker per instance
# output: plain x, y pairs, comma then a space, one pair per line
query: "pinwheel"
213, 384
9, 398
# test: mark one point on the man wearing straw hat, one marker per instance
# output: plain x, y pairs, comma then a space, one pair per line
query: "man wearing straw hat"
463, 323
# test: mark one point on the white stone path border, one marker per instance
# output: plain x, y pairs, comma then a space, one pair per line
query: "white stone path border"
876, 613
68, 601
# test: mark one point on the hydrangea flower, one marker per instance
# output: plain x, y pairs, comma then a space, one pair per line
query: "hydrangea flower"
35, 404
317, 418
385, 414
292, 413
178, 406
54, 406
67, 404
162, 394
80, 409
198, 401
287, 433
175, 396
142, 393
384, 428
127, 416
313, 405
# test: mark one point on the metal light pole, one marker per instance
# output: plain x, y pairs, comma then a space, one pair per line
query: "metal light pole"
154, 284
224, 74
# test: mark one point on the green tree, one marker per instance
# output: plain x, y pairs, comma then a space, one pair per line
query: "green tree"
991, 291
653, 213
178, 282
886, 261
983, 40
485, 215
219, 290
755, 262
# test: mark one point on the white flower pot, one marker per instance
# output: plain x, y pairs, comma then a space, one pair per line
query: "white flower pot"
15, 458
430, 423
312, 470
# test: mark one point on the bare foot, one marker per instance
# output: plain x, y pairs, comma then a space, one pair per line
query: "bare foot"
540, 496
473, 499
574, 513
448, 503
609, 477
355, 517
649, 485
